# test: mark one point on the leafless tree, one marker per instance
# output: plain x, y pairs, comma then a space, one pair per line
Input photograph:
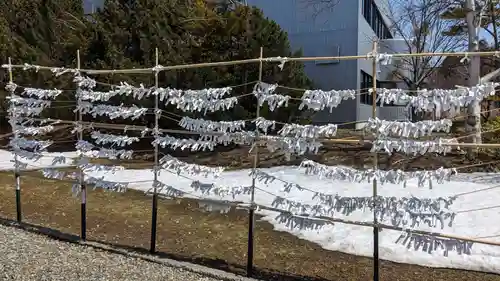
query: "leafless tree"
419, 24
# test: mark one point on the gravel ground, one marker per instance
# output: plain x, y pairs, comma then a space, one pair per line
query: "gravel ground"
27, 257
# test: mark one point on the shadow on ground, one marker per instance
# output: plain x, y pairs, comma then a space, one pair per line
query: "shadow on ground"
211, 263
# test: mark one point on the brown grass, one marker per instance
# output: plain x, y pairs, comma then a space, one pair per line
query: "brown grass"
186, 233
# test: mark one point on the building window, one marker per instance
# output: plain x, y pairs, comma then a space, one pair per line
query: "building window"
366, 84
375, 19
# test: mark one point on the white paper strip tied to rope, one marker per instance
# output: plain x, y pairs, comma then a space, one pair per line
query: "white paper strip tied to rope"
33, 156
201, 125
19, 164
401, 212
205, 100
429, 243
281, 60
263, 124
407, 129
18, 111
106, 185
294, 221
20, 106
308, 131
84, 146
166, 190
60, 159
204, 94
414, 147
265, 93
94, 96
36, 146
184, 144
110, 154
86, 149
124, 89
84, 81
208, 205
53, 174
34, 131
87, 167
267, 179
437, 100
41, 93
117, 140
414, 203
17, 100
221, 191
319, 99
205, 204
111, 111
171, 163
299, 207
243, 138
391, 176
288, 145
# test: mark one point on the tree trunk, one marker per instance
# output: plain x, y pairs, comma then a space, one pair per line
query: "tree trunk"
473, 121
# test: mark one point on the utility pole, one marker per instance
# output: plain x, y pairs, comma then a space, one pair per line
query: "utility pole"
473, 121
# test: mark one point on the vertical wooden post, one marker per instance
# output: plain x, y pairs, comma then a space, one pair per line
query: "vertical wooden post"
81, 183
376, 260
154, 211
251, 213
17, 174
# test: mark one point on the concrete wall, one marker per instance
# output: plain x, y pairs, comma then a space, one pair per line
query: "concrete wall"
365, 38
329, 33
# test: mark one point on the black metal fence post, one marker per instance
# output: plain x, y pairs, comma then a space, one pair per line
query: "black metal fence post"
154, 211
83, 213
18, 196
154, 220
251, 220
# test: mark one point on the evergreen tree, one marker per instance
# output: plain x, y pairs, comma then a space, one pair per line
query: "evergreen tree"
45, 32
193, 34
124, 34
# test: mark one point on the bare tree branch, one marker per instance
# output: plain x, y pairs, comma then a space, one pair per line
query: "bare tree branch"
419, 24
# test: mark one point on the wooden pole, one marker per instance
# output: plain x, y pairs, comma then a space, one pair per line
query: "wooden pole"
154, 211
376, 259
270, 59
17, 174
251, 212
81, 182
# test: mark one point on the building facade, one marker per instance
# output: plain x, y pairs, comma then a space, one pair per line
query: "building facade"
345, 29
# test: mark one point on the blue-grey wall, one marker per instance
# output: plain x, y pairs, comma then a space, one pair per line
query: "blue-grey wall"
365, 38
319, 34
88, 5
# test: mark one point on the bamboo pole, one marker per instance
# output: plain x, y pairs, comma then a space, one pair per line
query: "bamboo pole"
154, 213
17, 174
376, 259
251, 211
269, 59
81, 183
